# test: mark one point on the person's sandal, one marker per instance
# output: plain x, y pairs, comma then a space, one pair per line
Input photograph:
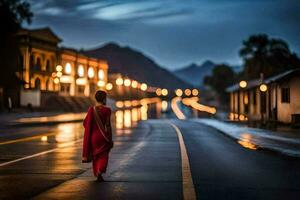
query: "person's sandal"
100, 178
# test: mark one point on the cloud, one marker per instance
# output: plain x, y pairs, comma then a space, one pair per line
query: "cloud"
174, 32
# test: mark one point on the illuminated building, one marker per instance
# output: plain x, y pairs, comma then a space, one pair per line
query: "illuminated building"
275, 99
49, 70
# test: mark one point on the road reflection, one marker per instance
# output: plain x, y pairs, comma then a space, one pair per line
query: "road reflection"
128, 117
245, 141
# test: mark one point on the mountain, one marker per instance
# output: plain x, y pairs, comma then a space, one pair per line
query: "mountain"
194, 74
136, 65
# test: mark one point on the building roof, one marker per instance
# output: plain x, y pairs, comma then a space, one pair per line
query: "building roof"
44, 33
256, 82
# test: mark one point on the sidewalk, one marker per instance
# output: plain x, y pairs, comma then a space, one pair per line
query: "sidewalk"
254, 138
38, 118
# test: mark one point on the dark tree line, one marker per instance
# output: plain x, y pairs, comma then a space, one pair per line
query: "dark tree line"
270, 56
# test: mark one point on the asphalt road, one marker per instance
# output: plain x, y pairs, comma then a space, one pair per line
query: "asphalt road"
144, 164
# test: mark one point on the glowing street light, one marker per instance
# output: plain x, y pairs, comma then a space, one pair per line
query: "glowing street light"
164, 92
243, 84
109, 86
127, 82
195, 92
56, 80
179, 92
158, 92
187, 92
59, 68
263, 87
119, 81
144, 86
134, 84
59, 74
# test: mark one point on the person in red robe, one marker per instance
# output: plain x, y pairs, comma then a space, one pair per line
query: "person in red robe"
97, 140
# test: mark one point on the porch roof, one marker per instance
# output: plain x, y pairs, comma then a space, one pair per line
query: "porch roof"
256, 82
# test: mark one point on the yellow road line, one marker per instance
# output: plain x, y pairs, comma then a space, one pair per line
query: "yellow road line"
179, 114
187, 180
40, 153
27, 138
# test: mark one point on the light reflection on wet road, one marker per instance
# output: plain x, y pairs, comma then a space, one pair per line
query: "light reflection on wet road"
51, 154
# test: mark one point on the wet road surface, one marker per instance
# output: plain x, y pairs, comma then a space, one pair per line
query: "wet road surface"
144, 164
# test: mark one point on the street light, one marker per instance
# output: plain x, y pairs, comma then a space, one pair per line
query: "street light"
109, 86
127, 82
164, 92
179, 92
56, 80
144, 86
243, 84
59, 68
119, 81
158, 91
263, 87
187, 92
134, 84
195, 92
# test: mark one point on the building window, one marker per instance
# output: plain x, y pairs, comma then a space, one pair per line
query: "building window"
38, 64
80, 89
285, 95
48, 66
31, 61
68, 68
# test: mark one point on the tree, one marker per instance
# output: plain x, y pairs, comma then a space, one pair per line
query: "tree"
12, 14
222, 77
269, 56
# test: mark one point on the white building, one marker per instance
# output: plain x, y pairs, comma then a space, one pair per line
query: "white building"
279, 103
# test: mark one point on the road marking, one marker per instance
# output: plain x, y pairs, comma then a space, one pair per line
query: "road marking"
41, 153
26, 139
187, 180
179, 114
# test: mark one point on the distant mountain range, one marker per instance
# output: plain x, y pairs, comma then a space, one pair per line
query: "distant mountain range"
136, 65
194, 74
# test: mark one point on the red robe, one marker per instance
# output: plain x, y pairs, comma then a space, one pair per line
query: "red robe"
95, 146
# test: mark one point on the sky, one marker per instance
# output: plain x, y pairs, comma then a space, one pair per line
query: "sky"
174, 33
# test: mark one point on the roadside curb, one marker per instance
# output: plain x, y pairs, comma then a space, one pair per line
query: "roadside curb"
259, 147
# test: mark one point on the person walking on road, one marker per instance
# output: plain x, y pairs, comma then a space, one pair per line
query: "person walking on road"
97, 141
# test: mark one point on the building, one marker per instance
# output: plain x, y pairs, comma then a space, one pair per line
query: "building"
276, 99
53, 72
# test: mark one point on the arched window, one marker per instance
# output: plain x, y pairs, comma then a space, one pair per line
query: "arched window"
31, 61
38, 65
48, 65
37, 83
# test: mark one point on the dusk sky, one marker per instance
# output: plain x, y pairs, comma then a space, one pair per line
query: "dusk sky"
173, 33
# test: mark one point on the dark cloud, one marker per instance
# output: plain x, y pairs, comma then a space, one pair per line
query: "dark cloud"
174, 33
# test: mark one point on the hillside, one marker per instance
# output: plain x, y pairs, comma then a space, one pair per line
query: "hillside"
136, 65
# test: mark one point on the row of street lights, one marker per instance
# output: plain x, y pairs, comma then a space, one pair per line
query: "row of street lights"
133, 83
178, 92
